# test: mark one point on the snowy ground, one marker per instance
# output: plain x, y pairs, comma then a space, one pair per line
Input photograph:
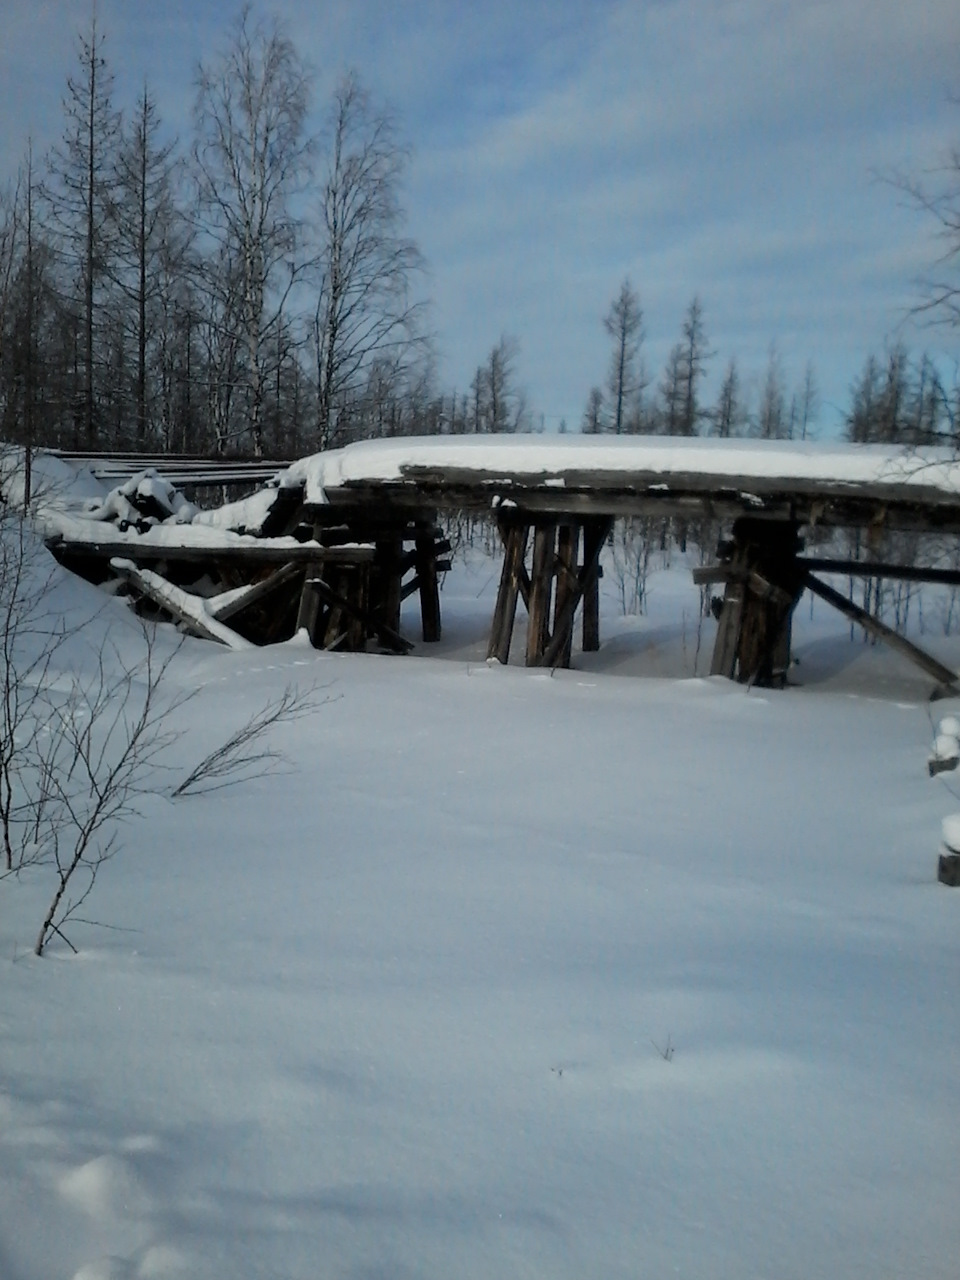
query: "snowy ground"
514, 975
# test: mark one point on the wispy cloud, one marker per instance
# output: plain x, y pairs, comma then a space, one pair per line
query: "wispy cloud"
722, 147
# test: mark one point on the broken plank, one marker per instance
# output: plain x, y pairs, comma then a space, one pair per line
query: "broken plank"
186, 608
231, 603
392, 639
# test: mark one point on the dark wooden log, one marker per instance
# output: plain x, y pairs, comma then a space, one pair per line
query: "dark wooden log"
256, 592
588, 574
429, 587
948, 869
541, 591
945, 678
515, 538
386, 580
308, 614
724, 660
189, 611
389, 638
873, 569
595, 533
567, 590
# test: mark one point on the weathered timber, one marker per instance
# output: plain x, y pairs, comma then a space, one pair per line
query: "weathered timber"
587, 575
515, 537
308, 614
886, 504
724, 660
429, 586
541, 591
945, 678
141, 550
189, 611
244, 597
389, 638
568, 544
717, 573
595, 533
948, 869
763, 585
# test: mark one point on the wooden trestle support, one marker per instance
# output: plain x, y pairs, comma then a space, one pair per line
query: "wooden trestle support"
763, 584
764, 578
551, 589
354, 593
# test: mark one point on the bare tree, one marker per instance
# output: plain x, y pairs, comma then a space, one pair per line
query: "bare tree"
81, 194
730, 416
252, 158
146, 217
625, 381
498, 404
937, 194
772, 411
364, 308
808, 403
592, 421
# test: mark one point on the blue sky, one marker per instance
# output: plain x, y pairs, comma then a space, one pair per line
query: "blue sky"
729, 150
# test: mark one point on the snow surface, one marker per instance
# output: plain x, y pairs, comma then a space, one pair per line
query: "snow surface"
549, 457
615, 972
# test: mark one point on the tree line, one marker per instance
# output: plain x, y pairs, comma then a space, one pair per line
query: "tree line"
252, 289
249, 289
895, 399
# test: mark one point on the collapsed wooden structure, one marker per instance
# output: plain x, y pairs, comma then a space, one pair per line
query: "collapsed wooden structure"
351, 534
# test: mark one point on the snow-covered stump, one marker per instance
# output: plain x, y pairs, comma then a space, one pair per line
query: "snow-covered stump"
948, 866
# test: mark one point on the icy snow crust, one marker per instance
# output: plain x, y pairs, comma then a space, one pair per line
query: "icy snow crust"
549, 458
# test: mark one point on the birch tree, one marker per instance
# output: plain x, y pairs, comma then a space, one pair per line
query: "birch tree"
364, 310
252, 158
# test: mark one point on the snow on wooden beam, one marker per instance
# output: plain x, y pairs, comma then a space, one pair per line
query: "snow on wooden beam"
188, 609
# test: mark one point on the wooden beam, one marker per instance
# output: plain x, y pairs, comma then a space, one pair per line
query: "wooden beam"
244, 597
541, 591
255, 551
595, 533
945, 678
870, 569
429, 586
563, 626
568, 544
724, 660
386, 634
515, 537
188, 609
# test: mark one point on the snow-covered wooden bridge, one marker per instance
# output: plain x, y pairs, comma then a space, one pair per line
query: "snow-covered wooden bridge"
347, 528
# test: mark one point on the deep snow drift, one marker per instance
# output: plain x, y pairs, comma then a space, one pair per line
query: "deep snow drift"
512, 974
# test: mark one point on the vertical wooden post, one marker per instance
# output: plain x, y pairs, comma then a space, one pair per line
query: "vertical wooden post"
753, 636
309, 610
515, 537
541, 591
385, 581
568, 542
429, 586
724, 661
354, 587
594, 533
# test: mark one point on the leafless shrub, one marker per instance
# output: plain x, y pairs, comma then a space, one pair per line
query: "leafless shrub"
246, 754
